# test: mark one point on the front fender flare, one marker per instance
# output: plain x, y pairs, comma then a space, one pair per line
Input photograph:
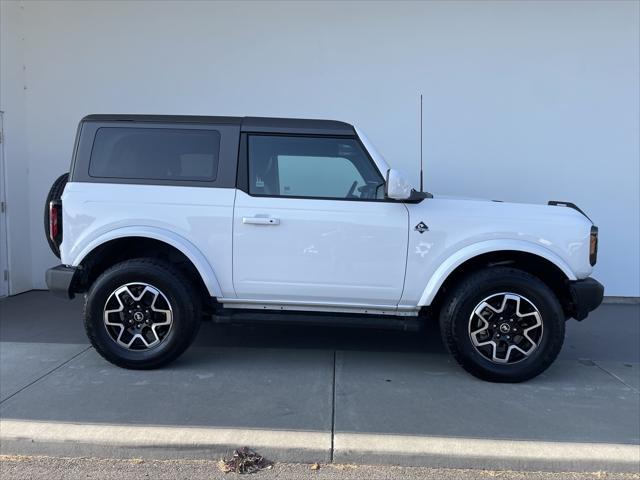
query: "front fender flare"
180, 243
470, 251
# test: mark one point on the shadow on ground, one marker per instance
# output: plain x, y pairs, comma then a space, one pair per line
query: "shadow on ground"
611, 333
38, 317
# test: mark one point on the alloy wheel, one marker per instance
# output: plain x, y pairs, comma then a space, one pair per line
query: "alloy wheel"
138, 316
505, 328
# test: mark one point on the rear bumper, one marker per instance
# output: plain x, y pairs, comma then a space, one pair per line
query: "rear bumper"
59, 280
586, 296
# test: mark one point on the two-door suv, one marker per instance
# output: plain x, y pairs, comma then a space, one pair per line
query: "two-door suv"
165, 220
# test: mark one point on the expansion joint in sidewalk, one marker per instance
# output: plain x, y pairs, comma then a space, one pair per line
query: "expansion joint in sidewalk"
333, 407
616, 377
46, 374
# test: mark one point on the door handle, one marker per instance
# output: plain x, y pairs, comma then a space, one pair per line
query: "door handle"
261, 220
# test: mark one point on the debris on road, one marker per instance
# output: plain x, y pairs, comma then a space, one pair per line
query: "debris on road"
244, 460
315, 466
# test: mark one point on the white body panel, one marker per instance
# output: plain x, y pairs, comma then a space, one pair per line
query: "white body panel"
195, 220
320, 254
332, 252
460, 229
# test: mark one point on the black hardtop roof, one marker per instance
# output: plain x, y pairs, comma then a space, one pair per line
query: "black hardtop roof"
247, 124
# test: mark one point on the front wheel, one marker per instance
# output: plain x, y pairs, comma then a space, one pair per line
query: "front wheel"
141, 313
503, 325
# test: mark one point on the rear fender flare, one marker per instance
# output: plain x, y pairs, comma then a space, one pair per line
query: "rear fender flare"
196, 257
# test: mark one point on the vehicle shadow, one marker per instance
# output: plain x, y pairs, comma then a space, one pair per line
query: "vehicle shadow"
38, 317
300, 336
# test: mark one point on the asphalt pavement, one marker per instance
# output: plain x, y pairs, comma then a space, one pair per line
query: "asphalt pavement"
317, 394
53, 468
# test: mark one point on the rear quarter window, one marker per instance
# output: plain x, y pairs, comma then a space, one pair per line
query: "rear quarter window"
155, 154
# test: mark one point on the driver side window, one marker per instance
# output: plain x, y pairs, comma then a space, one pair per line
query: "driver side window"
312, 167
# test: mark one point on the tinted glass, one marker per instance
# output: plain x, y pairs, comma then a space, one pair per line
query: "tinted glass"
312, 167
155, 154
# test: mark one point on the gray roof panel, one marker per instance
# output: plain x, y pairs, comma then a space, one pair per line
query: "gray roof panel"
248, 124
296, 125
162, 119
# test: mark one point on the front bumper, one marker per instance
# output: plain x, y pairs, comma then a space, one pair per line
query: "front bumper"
60, 280
586, 296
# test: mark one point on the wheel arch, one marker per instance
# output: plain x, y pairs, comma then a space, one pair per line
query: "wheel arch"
126, 243
535, 259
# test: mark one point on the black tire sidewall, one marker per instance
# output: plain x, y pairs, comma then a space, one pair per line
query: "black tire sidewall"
463, 304
183, 305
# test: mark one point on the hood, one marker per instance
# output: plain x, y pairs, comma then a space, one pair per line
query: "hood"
572, 209
456, 197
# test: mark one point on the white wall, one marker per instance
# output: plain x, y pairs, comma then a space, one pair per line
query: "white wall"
524, 101
13, 103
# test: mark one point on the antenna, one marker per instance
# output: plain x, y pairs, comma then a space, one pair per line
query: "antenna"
421, 172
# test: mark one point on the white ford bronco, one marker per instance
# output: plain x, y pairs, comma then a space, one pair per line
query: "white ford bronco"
165, 220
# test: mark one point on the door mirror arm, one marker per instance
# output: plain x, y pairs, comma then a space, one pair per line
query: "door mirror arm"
417, 197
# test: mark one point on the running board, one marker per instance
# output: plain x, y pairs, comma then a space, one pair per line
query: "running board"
318, 319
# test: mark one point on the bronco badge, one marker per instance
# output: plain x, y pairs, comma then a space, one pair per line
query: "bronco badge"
421, 227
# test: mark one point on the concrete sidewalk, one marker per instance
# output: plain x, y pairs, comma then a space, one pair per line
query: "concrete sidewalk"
319, 394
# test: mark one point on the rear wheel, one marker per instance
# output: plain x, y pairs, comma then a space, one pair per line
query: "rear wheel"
55, 193
142, 313
503, 325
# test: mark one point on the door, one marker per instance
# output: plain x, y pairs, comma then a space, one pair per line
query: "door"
4, 250
313, 225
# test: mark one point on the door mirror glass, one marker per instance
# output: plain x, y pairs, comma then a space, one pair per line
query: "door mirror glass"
397, 187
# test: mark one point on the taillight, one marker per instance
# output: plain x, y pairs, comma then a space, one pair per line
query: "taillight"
55, 221
593, 246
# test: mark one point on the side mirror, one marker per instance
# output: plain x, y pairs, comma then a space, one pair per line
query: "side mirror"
397, 187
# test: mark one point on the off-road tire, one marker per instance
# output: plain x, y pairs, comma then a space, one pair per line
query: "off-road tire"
174, 285
459, 304
55, 193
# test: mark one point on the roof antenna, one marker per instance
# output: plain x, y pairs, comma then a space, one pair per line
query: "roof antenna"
421, 170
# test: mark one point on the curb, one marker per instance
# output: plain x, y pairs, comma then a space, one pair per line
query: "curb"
164, 442
471, 453
19, 437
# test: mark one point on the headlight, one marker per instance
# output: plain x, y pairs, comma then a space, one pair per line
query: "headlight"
593, 246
